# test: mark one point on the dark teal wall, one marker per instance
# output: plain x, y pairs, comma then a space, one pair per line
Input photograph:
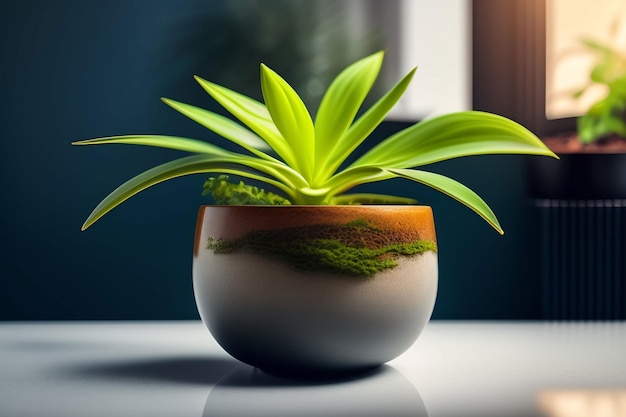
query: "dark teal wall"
71, 70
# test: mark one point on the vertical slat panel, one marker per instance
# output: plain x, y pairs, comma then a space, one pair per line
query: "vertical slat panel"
589, 259
599, 260
608, 261
572, 260
620, 240
582, 259
545, 266
583, 264
562, 243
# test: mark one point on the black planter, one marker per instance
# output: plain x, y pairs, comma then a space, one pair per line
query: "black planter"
578, 176
579, 203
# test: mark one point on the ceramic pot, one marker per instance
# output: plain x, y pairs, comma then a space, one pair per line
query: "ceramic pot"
315, 289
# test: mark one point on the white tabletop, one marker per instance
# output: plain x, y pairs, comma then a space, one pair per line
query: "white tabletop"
176, 369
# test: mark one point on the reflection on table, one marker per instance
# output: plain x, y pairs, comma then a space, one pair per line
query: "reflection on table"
455, 369
250, 392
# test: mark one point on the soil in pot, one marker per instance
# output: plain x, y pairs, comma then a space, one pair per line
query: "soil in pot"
566, 143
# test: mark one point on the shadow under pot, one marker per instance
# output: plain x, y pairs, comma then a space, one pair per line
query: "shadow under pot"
303, 290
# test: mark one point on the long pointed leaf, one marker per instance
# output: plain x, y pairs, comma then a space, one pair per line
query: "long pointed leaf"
453, 189
222, 126
341, 102
366, 124
169, 142
251, 113
349, 178
451, 136
275, 168
184, 166
291, 117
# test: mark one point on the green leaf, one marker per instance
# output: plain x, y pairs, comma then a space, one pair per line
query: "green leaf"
452, 136
453, 189
351, 177
579, 92
222, 126
341, 103
366, 124
291, 117
170, 142
194, 164
598, 47
253, 114
309, 173
605, 117
287, 175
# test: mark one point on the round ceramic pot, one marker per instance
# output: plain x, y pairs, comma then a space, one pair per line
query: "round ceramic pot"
315, 289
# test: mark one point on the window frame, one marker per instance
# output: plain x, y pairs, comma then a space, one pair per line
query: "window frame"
509, 63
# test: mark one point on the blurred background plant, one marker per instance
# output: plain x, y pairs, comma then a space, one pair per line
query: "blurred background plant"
607, 116
307, 41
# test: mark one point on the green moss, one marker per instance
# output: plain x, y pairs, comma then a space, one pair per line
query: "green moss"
227, 193
360, 223
355, 248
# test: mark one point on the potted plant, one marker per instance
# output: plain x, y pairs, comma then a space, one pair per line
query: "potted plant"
593, 157
309, 277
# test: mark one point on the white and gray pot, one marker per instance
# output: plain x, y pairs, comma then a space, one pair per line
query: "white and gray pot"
315, 289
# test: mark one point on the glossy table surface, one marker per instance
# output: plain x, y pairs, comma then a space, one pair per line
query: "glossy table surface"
176, 369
